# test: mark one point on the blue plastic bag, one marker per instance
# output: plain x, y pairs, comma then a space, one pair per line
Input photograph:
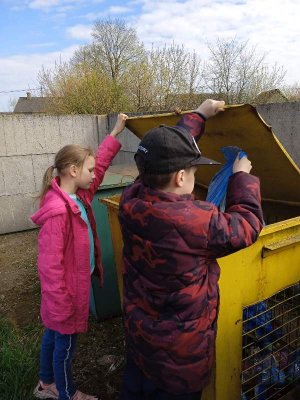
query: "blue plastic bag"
259, 319
217, 188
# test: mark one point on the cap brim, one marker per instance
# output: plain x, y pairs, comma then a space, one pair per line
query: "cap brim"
204, 161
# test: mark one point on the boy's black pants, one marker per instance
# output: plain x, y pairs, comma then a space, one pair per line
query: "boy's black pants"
137, 387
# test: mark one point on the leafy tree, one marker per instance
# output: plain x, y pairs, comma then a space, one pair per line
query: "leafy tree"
77, 90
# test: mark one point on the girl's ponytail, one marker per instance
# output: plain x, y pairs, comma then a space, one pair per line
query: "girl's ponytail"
47, 178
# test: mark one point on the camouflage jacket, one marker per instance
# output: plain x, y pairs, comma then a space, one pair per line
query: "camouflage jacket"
170, 273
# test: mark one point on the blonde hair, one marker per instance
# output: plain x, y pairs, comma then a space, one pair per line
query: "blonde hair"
72, 154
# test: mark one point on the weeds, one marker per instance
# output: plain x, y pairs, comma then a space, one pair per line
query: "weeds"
19, 354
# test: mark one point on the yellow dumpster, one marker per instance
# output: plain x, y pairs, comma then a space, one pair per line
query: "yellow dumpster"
258, 340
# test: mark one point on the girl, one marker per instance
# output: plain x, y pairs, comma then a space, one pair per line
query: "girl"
68, 252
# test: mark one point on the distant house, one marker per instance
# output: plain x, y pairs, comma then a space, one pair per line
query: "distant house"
32, 105
270, 96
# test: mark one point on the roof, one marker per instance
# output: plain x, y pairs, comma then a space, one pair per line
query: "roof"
33, 105
270, 96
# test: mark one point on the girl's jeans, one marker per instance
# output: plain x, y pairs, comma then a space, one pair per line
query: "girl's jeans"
57, 351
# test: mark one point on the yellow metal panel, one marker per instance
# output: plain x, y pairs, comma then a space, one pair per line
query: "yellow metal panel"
239, 126
247, 278
112, 204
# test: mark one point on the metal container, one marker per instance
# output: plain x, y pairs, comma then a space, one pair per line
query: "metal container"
106, 299
268, 271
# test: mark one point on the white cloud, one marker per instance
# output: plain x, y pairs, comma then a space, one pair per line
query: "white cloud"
82, 32
40, 45
271, 24
20, 72
48, 4
110, 11
118, 10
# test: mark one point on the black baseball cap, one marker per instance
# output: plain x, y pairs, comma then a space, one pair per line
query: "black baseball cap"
168, 149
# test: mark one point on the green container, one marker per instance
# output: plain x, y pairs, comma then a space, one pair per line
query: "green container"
107, 299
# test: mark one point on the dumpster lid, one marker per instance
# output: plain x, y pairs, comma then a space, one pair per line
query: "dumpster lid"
240, 126
119, 176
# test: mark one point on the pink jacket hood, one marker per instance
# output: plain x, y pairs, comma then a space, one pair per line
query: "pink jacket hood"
54, 203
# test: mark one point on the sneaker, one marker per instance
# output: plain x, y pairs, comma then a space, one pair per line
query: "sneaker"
83, 396
43, 391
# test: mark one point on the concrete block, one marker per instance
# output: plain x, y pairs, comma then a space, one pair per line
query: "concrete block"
101, 127
2, 185
52, 134
40, 164
10, 126
25, 131
15, 213
85, 131
285, 121
34, 126
18, 175
66, 129
6, 215
129, 141
2, 137
124, 157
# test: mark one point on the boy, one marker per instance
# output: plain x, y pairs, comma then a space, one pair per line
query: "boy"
171, 243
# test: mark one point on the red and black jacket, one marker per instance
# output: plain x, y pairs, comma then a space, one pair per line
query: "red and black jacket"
170, 273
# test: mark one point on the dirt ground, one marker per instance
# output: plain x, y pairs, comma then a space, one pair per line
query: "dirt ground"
99, 360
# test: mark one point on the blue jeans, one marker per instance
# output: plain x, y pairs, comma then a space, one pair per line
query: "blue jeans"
56, 355
137, 387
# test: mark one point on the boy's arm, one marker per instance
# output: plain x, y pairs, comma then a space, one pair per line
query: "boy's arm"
194, 122
241, 223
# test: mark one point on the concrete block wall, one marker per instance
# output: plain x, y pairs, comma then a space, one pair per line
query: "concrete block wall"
285, 121
28, 144
128, 141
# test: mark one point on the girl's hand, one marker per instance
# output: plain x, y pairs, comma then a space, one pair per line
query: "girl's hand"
242, 164
120, 124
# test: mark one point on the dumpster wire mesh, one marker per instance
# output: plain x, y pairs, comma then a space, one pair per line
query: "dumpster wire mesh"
271, 346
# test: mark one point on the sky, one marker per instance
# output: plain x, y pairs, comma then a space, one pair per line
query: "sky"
36, 33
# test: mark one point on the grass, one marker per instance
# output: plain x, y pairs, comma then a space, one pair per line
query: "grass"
19, 359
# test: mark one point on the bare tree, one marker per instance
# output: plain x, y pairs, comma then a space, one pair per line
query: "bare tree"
114, 49
139, 86
292, 92
237, 72
176, 74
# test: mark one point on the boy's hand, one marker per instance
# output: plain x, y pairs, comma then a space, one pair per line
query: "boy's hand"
242, 164
120, 124
209, 107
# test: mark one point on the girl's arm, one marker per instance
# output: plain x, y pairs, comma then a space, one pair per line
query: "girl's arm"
106, 153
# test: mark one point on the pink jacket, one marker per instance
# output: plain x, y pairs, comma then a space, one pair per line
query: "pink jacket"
63, 250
